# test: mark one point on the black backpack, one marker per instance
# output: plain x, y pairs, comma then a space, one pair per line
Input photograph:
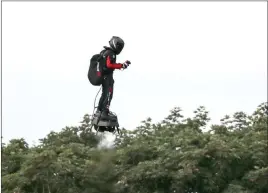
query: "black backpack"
95, 71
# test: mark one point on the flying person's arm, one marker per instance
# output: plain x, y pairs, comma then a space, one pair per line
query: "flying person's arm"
111, 65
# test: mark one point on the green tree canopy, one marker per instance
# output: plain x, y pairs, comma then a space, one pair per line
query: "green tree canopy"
175, 155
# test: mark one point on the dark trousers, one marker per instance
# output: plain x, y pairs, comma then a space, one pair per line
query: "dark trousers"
107, 93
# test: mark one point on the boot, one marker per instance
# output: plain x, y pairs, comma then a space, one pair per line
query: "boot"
106, 115
97, 113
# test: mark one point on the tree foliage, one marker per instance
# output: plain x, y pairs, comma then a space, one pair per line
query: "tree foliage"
174, 155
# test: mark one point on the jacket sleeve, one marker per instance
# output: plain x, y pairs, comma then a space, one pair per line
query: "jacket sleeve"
111, 65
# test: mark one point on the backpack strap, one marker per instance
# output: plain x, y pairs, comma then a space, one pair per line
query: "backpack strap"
101, 54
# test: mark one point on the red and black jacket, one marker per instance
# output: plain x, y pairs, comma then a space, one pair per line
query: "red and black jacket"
110, 58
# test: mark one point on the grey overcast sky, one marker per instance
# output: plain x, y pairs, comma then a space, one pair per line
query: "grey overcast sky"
183, 54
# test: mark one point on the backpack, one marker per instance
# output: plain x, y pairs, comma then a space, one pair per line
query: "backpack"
95, 71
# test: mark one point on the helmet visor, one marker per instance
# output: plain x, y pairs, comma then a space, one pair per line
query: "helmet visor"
119, 48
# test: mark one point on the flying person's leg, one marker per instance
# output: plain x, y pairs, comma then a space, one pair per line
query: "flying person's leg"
106, 97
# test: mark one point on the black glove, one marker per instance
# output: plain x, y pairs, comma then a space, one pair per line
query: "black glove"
126, 64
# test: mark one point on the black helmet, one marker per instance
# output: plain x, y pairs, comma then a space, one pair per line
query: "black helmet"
117, 44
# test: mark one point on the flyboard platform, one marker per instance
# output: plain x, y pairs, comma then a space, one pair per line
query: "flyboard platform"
101, 125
